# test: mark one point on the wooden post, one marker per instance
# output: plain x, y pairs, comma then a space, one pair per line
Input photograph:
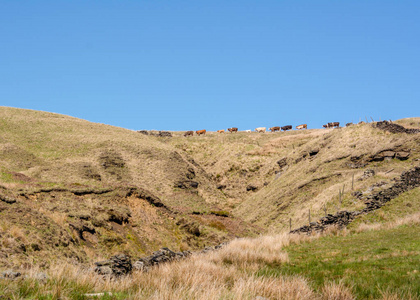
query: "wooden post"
309, 217
290, 225
339, 195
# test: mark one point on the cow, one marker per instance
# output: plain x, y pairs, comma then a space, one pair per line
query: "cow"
248, 131
188, 133
349, 124
233, 129
287, 127
260, 129
325, 126
221, 131
336, 124
303, 126
274, 129
200, 132
330, 125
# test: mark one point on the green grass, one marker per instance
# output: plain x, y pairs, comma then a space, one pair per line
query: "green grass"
369, 262
403, 205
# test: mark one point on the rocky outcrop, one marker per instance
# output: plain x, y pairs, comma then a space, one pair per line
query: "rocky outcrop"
158, 257
186, 184
394, 128
155, 133
121, 264
117, 265
390, 154
7, 199
252, 188
366, 174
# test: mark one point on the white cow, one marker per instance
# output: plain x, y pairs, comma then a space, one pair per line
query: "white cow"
260, 129
248, 130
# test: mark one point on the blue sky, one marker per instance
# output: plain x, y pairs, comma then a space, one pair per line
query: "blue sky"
181, 65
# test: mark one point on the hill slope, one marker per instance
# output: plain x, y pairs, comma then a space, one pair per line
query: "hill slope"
80, 190
77, 189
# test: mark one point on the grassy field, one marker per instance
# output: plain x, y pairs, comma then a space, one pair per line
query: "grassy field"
370, 263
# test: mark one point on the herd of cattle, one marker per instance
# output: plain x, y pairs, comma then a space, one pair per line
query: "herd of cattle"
264, 129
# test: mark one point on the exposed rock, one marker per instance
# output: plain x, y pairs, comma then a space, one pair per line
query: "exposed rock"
186, 184
252, 188
402, 155
119, 216
282, 162
155, 133
10, 274
313, 152
161, 256
394, 128
7, 199
368, 173
118, 265
165, 134
357, 194
221, 186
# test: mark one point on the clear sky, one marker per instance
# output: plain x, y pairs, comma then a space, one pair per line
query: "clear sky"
181, 65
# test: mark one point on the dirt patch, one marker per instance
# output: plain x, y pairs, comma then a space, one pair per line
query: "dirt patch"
21, 177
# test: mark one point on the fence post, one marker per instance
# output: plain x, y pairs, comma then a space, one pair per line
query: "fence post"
309, 217
290, 225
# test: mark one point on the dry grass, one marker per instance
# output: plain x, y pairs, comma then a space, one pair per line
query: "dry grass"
411, 219
225, 274
337, 291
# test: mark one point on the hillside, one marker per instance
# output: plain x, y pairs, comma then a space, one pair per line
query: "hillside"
75, 192
80, 190
297, 171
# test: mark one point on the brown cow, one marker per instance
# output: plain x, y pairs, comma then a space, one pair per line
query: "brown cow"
325, 126
287, 127
336, 124
200, 132
188, 133
274, 129
303, 126
221, 131
233, 129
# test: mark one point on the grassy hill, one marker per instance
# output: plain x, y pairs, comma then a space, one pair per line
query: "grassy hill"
76, 191
84, 190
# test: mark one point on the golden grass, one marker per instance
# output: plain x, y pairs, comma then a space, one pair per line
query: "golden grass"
411, 219
229, 273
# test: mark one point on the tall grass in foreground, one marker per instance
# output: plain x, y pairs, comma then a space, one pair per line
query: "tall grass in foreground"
229, 273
